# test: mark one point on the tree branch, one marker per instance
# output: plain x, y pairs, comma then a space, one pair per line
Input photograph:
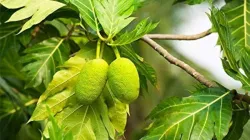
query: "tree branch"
241, 97
179, 37
191, 71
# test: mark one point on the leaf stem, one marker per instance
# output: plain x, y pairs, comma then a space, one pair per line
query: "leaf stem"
98, 49
102, 49
97, 28
116, 51
109, 39
101, 37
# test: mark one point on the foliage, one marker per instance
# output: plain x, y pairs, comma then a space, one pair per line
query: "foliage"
205, 113
44, 45
130, 36
42, 59
55, 132
39, 10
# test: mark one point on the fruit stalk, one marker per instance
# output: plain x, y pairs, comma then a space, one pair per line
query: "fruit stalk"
98, 49
116, 51
102, 49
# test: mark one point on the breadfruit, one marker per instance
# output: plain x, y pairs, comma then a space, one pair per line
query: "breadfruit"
123, 80
91, 81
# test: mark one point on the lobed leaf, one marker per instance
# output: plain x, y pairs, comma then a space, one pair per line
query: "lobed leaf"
38, 10
221, 25
83, 121
238, 16
13, 4
239, 119
55, 132
231, 23
5, 45
42, 59
113, 15
87, 11
202, 115
246, 131
140, 30
59, 90
10, 65
8, 29
117, 111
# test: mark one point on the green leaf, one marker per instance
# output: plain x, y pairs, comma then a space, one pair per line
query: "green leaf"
203, 115
12, 94
55, 132
236, 74
245, 64
231, 23
246, 132
13, 4
6, 44
104, 111
10, 65
227, 68
42, 59
142, 67
118, 116
59, 90
87, 11
141, 29
36, 9
117, 111
245, 78
221, 25
237, 13
13, 115
92, 121
139, 3
113, 15
8, 29
143, 83
240, 118
83, 121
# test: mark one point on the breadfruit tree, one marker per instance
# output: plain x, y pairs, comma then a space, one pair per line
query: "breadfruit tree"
70, 68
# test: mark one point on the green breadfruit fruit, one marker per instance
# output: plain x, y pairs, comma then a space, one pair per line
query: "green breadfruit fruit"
123, 80
91, 81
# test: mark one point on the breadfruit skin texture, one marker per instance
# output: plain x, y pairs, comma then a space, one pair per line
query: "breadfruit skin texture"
123, 80
91, 81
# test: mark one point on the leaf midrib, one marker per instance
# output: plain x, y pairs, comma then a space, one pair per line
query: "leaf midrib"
41, 112
177, 105
10, 33
245, 21
209, 104
45, 62
83, 121
62, 82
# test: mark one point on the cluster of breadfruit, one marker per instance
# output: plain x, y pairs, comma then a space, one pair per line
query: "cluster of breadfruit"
121, 75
